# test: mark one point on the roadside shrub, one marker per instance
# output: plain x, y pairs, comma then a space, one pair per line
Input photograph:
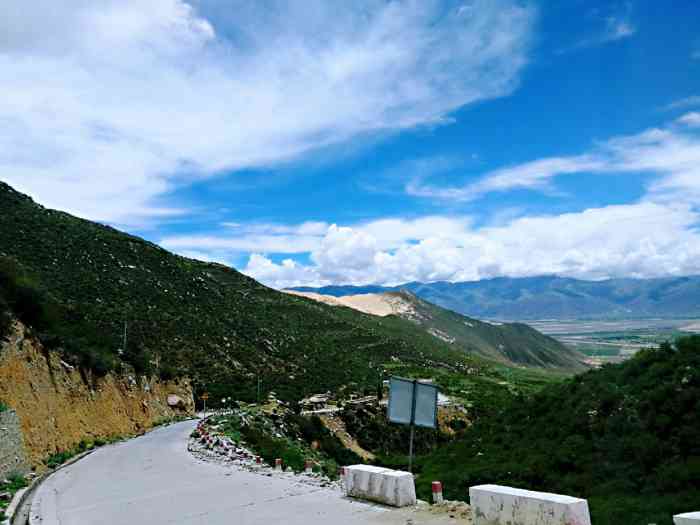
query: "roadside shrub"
312, 429
270, 448
5, 318
16, 481
58, 459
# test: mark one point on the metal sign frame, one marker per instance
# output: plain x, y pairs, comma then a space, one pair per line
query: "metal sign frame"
417, 385
411, 420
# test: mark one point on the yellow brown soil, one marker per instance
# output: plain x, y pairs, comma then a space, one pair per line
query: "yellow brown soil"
337, 427
59, 406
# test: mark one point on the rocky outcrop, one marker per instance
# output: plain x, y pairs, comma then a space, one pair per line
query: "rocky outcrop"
59, 405
12, 455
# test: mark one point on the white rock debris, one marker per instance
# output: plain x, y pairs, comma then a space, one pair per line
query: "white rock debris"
214, 447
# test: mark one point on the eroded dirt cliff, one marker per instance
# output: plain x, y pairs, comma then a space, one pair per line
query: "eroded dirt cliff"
58, 405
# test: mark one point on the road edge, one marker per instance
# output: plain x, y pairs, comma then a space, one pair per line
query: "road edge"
26, 504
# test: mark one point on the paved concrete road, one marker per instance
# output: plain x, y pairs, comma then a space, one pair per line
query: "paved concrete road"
153, 480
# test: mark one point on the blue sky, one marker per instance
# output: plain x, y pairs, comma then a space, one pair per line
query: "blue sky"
323, 142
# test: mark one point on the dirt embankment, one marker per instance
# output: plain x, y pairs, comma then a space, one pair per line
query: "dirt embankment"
58, 405
337, 427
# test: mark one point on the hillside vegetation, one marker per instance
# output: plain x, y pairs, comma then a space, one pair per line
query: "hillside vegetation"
83, 283
509, 343
551, 297
624, 436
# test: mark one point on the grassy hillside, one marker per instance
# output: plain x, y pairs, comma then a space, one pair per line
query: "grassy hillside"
551, 297
624, 436
510, 343
84, 282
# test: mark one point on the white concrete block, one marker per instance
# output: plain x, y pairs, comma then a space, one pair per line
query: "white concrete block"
498, 505
391, 487
689, 518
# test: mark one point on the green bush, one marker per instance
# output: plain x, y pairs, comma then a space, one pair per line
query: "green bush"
59, 458
270, 448
16, 481
56, 326
5, 318
313, 429
624, 437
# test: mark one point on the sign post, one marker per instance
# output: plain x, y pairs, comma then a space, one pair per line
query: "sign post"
412, 403
204, 398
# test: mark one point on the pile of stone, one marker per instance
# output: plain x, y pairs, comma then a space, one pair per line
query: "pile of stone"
207, 443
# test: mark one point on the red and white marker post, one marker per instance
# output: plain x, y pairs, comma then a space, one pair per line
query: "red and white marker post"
278, 465
437, 493
308, 467
341, 474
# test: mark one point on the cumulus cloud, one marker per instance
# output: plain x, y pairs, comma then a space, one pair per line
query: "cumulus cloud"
109, 105
637, 240
656, 236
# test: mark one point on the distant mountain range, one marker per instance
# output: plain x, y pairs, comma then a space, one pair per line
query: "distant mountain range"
551, 297
514, 344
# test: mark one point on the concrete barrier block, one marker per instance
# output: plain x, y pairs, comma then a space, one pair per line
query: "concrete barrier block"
498, 505
689, 518
391, 487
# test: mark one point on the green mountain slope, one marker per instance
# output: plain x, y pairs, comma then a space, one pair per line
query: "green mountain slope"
624, 436
208, 321
510, 343
513, 344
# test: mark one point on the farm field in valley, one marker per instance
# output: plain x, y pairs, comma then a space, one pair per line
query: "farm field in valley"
614, 341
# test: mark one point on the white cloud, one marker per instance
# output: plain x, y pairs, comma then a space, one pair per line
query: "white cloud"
684, 102
312, 236
656, 236
637, 240
617, 28
616, 25
530, 175
672, 153
691, 119
245, 243
204, 256
109, 105
285, 275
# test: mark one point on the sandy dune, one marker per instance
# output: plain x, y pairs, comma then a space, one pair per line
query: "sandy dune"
380, 304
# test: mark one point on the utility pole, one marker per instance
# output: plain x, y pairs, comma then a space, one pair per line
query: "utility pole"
413, 425
258, 389
124, 340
